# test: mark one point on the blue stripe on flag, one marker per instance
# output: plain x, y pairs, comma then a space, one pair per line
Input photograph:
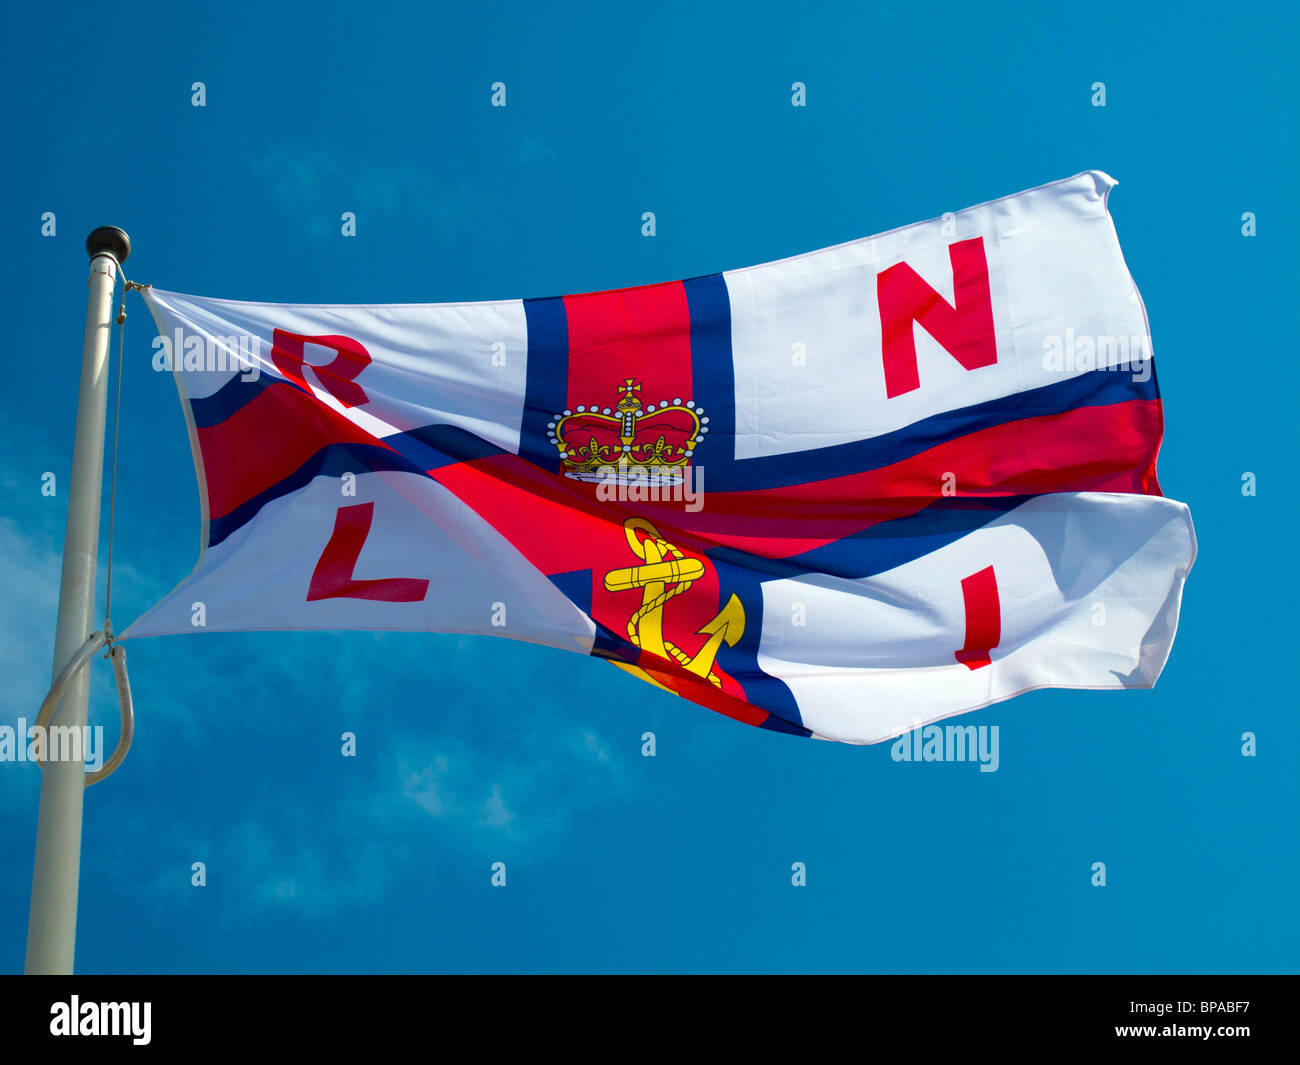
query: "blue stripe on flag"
229, 398
742, 574
548, 378
892, 543
1097, 388
332, 461
712, 366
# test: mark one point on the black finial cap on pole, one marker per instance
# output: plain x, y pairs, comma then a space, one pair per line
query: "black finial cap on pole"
109, 239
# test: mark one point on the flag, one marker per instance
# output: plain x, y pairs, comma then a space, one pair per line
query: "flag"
840, 495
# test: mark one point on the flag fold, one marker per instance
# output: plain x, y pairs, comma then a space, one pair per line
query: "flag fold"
840, 495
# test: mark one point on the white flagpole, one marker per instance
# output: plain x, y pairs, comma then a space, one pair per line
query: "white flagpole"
52, 924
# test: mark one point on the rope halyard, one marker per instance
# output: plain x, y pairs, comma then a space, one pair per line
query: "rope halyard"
127, 286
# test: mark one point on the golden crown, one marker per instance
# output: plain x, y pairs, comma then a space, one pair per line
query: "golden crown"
628, 441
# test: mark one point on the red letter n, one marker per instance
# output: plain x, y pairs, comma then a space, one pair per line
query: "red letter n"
333, 576
965, 330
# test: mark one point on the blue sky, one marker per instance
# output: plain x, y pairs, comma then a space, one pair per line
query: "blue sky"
474, 750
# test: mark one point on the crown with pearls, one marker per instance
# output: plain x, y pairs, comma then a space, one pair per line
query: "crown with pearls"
628, 442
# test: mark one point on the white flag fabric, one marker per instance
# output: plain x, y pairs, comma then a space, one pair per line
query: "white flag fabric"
837, 495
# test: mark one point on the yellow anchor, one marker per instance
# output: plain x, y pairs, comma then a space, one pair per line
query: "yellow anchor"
666, 565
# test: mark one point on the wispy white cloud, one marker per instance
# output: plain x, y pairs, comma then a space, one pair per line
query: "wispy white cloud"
28, 608
528, 795
310, 858
321, 833
435, 771
314, 185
